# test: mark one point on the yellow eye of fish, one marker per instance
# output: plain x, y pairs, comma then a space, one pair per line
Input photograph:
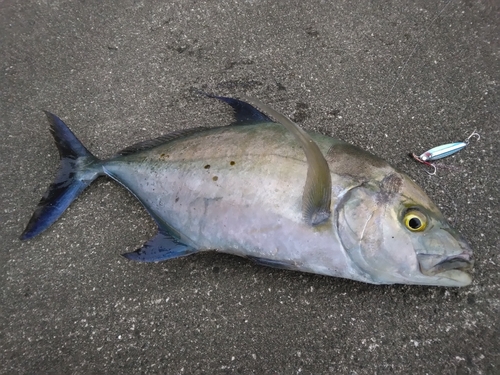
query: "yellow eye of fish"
415, 220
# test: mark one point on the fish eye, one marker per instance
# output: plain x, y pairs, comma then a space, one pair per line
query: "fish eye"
415, 220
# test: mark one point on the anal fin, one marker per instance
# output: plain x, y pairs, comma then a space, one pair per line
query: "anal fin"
282, 265
161, 247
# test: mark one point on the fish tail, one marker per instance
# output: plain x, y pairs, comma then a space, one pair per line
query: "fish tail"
77, 169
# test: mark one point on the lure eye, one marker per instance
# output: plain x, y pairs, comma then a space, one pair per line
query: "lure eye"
415, 220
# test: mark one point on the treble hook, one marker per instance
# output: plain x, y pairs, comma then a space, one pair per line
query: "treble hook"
417, 158
435, 170
474, 134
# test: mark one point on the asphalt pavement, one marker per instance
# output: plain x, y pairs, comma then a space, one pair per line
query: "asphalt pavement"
391, 77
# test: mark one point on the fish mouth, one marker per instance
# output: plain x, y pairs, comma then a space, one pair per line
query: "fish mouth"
454, 267
462, 262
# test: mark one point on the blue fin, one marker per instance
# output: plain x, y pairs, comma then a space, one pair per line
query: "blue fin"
272, 263
77, 169
161, 247
245, 113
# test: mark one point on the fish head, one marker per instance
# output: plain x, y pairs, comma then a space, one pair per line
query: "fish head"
394, 233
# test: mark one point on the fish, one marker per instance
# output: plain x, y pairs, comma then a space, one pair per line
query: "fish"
267, 190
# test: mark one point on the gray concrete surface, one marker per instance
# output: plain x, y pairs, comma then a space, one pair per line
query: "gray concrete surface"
122, 71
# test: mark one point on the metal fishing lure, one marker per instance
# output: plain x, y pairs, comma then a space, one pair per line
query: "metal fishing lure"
443, 151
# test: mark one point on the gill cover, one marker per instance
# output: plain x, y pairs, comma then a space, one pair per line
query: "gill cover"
360, 221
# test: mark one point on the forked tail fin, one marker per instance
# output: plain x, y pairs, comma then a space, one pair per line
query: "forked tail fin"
78, 168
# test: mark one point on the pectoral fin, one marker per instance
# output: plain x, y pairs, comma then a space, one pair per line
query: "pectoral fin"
161, 247
316, 198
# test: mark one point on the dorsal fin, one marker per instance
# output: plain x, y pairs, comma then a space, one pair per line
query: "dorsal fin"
244, 113
316, 198
150, 143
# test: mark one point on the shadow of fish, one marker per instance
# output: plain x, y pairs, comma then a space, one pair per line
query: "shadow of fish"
271, 192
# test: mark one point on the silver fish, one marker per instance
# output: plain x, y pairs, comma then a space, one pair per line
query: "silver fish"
276, 194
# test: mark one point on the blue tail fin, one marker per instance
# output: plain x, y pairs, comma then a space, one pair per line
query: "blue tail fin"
77, 170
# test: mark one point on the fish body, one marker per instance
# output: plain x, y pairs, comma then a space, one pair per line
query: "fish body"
240, 190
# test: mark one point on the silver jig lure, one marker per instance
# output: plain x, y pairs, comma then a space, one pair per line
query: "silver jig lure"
443, 151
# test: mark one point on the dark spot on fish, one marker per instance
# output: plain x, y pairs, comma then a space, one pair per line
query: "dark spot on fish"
215, 269
177, 199
207, 166
348, 160
215, 178
232, 162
